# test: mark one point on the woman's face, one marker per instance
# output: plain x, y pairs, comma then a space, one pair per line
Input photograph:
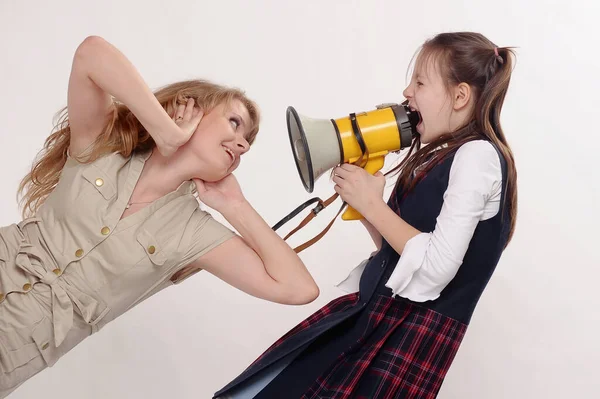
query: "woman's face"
220, 140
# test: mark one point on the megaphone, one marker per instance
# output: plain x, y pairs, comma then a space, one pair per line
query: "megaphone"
363, 138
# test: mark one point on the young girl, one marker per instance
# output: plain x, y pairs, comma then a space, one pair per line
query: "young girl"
439, 239
114, 216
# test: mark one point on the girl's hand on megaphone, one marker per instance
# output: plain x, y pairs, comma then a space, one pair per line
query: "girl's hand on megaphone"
220, 194
357, 187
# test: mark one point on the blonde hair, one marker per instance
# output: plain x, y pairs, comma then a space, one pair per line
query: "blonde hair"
123, 133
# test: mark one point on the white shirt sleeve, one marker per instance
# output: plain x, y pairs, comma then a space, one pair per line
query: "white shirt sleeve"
430, 260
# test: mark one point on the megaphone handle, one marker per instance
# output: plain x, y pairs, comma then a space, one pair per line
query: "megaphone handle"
373, 166
351, 214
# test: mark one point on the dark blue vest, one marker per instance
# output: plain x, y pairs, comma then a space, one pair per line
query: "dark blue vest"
420, 209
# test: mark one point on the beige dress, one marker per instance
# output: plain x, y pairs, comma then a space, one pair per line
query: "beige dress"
67, 272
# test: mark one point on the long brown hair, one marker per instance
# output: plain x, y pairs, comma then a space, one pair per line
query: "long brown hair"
470, 58
123, 133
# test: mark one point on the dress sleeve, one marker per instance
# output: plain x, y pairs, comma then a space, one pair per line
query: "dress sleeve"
201, 234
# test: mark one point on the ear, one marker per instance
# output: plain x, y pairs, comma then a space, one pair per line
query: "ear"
462, 96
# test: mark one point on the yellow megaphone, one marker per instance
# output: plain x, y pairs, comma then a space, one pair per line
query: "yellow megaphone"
364, 138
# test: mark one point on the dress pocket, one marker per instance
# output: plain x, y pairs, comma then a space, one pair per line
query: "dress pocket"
12, 355
156, 251
100, 181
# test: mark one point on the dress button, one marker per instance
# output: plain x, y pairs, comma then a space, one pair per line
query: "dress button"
1, 297
99, 182
26, 287
151, 249
79, 253
46, 345
105, 230
58, 272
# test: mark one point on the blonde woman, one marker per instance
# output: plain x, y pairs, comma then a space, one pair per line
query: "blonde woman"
111, 215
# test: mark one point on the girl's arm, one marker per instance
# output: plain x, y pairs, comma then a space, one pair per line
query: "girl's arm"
390, 226
375, 235
430, 260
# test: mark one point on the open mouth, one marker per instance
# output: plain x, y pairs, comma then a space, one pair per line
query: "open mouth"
230, 153
416, 111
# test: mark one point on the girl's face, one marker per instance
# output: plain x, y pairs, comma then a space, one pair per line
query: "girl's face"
441, 111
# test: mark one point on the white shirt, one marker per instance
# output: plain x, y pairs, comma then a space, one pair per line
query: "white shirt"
430, 260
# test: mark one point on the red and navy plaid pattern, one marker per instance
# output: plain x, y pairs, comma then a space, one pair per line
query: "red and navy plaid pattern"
405, 352
337, 305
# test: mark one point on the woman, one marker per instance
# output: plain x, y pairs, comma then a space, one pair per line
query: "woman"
111, 216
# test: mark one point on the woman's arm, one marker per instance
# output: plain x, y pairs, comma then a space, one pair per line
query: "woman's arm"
99, 72
259, 262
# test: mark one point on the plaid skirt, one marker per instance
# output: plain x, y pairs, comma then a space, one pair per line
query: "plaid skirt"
394, 348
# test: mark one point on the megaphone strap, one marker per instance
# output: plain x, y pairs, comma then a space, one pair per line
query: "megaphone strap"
299, 209
320, 206
316, 238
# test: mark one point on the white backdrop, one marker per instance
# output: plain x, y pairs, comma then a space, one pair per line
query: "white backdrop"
535, 331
